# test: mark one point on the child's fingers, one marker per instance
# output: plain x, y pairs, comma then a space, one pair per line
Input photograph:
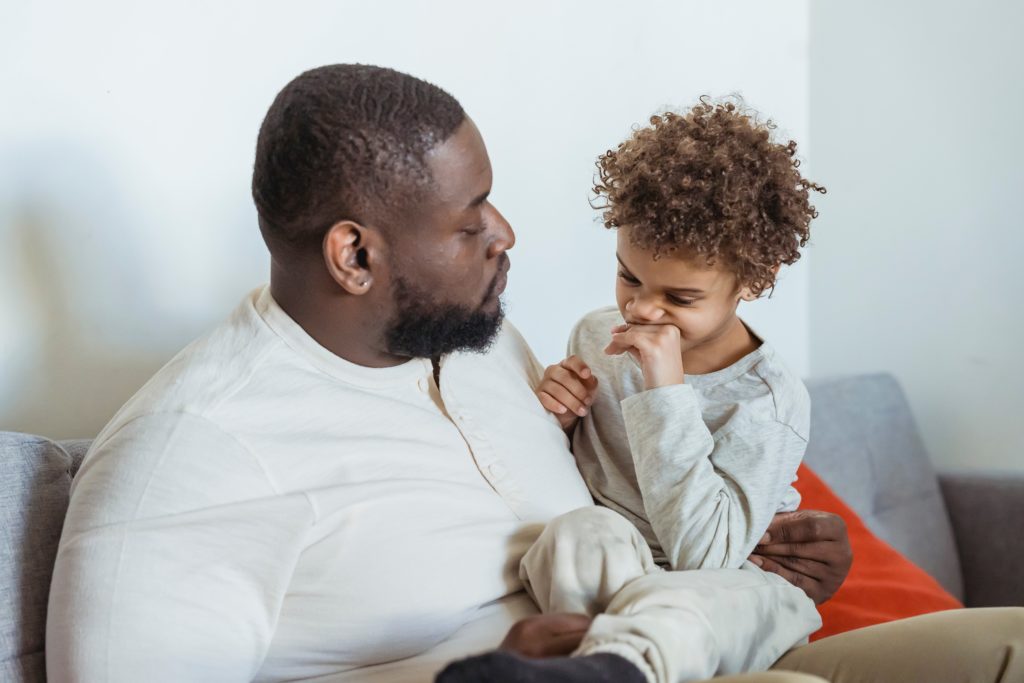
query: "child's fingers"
565, 397
583, 373
550, 404
571, 381
621, 342
576, 364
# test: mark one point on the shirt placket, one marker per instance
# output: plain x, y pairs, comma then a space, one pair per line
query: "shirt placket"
481, 448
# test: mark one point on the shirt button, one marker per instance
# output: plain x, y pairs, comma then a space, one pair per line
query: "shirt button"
423, 384
497, 470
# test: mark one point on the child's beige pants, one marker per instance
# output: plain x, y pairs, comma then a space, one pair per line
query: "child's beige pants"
694, 625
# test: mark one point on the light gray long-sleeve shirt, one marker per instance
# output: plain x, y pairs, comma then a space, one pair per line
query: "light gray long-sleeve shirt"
700, 468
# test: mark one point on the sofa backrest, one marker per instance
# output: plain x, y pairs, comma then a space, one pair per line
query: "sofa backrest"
865, 445
35, 479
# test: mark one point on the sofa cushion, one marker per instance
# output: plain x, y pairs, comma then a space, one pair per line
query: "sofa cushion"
35, 481
882, 585
865, 445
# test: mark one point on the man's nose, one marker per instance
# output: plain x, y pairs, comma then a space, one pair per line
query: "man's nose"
504, 238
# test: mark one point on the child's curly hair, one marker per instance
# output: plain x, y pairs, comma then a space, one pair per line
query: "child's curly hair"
710, 181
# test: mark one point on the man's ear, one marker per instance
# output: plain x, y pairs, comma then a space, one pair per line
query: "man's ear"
350, 253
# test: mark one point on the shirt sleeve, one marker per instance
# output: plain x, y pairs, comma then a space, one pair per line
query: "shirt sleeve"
709, 498
174, 560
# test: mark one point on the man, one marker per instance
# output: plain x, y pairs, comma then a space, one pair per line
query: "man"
336, 484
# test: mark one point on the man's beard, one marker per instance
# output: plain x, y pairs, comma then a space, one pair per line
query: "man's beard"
422, 328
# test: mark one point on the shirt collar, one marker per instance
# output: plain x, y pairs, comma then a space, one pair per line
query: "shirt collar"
299, 341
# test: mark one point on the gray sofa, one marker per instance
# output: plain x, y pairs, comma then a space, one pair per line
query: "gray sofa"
964, 529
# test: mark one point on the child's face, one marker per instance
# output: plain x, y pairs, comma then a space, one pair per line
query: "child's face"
675, 290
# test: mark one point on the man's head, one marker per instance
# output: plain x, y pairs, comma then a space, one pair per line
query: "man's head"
371, 187
709, 207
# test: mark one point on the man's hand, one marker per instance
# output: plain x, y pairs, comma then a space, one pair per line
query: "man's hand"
658, 348
546, 635
808, 548
567, 390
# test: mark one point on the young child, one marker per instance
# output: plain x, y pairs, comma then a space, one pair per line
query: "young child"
683, 420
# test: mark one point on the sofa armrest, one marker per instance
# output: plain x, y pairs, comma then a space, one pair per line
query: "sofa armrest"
987, 514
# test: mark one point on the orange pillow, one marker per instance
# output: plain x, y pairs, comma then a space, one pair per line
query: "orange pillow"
882, 585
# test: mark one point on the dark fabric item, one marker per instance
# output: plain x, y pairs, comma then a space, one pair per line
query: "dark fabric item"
865, 445
505, 667
29, 668
987, 511
35, 481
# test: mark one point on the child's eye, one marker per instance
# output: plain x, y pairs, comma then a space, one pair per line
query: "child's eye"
628, 279
681, 302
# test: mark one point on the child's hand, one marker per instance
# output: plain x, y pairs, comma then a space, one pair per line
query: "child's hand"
658, 348
567, 390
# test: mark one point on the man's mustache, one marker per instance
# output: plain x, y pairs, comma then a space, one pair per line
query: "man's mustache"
503, 266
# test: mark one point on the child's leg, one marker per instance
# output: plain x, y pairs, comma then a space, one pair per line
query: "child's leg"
582, 559
674, 626
691, 625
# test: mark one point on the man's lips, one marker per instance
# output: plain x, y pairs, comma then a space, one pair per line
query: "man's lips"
500, 280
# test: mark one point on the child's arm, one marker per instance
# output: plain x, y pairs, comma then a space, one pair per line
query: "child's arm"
708, 500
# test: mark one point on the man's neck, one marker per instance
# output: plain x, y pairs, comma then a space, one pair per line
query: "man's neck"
333, 319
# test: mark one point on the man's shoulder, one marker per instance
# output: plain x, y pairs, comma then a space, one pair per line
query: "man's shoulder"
180, 438
510, 340
207, 373
509, 356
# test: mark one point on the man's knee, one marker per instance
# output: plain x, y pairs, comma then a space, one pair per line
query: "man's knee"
1006, 623
770, 677
1012, 618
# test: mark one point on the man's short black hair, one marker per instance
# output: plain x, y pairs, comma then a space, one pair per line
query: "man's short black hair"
345, 142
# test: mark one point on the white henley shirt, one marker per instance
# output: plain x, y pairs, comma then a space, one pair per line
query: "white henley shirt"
265, 510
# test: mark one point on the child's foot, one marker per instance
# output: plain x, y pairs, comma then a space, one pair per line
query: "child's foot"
505, 667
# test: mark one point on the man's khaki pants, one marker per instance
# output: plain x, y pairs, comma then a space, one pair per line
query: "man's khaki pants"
695, 625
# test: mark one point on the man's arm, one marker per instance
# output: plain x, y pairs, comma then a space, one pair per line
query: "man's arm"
174, 560
546, 635
808, 548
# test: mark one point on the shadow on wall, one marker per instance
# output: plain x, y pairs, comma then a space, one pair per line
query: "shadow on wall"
103, 278
63, 373
67, 385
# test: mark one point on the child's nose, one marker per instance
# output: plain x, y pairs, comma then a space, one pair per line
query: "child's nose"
644, 310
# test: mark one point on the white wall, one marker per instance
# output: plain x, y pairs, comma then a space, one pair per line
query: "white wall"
916, 120
126, 144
